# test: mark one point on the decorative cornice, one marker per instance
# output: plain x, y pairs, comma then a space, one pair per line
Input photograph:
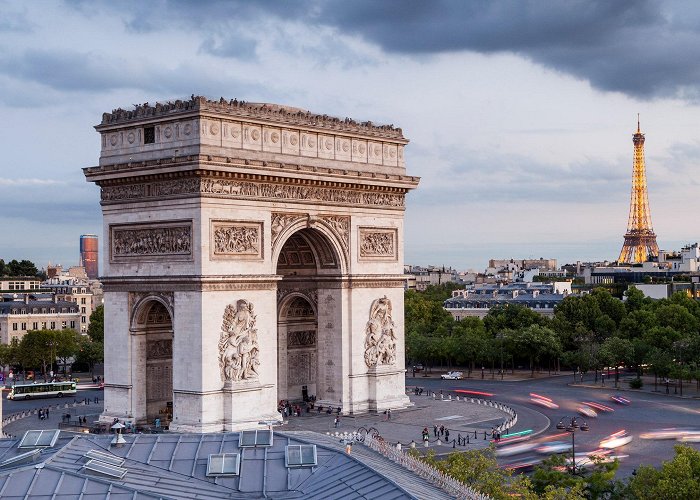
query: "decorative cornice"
254, 187
272, 113
190, 283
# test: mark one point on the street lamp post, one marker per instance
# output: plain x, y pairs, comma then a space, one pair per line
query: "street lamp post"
571, 425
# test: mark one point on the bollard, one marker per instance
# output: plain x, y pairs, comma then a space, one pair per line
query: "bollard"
457, 398
413, 444
449, 397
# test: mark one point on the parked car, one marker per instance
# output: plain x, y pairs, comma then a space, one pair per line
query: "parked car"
451, 376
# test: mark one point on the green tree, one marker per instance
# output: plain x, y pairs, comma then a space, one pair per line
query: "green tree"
96, 328
66, 344
479, 470
676, 479
616, 351
36, 348
90, 352
536, 342
23, 268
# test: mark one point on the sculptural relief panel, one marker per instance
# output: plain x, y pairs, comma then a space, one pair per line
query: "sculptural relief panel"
380, 337
166, 240
252, 137
236, 239
290, 142
326, 146
238, 343
301, 368
232, 135
378, 243
359, 150
272, 139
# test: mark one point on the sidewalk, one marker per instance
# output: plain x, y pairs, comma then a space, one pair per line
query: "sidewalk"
689, 390
517, 376
56, 411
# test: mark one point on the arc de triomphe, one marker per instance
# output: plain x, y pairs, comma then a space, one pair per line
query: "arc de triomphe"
253, 253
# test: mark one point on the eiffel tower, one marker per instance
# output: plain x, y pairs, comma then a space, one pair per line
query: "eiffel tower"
640, 239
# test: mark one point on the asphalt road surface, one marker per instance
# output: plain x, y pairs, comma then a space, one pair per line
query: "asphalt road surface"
647, 411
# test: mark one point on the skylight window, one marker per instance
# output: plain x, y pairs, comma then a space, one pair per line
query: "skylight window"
105, 457
300, 455
223, 464
31, 454
39, 439
105, 468
249, 439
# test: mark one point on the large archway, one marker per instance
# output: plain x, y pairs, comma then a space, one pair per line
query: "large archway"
308, 338
153, 342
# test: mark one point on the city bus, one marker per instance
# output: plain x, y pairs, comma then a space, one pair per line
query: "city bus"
43, 390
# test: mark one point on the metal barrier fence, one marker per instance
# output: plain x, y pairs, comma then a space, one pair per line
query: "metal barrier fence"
422, 469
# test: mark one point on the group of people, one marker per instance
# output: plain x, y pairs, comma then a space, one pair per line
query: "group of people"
439, 432
290, 410
43, 413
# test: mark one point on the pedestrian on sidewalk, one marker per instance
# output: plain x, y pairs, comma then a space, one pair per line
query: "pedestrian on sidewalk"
435, 430
442, 430
447, 435
388, 414
336, 422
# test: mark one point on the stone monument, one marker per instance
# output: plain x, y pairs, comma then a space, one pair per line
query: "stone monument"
253, 253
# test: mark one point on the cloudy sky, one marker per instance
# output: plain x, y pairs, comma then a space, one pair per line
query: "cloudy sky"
520, 114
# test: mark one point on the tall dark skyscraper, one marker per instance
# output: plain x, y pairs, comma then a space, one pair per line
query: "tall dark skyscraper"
88, 255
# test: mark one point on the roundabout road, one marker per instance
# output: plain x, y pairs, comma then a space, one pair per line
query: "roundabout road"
648, 411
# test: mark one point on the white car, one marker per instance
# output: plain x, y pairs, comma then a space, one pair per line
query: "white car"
451, 376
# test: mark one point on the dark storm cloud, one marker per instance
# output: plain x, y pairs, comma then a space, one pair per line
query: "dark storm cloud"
76, 71
642, 48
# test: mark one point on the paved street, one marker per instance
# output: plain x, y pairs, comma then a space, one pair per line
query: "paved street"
648, 411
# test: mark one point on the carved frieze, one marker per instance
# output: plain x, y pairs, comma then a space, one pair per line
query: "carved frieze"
280, 221
143, 241
236, 239
341, 225
310, 295
236, 189
238, 343
378, 243
306, 338
380, 337
301, 368
159, 349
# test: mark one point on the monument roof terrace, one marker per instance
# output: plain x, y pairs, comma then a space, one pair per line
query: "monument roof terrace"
262, 111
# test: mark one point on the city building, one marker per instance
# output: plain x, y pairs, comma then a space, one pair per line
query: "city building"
419, 278
89, 252
20, 313
686, 260
665, 290
76, 290
19, 284
476, 301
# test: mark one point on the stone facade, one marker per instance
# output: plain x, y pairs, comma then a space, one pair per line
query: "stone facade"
250, 246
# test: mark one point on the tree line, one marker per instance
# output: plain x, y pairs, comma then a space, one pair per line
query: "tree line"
676, 479
588, 332
15, 268
44, 351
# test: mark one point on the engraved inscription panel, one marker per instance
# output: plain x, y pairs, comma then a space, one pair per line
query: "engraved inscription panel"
378, 243
168, 240
236, 240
